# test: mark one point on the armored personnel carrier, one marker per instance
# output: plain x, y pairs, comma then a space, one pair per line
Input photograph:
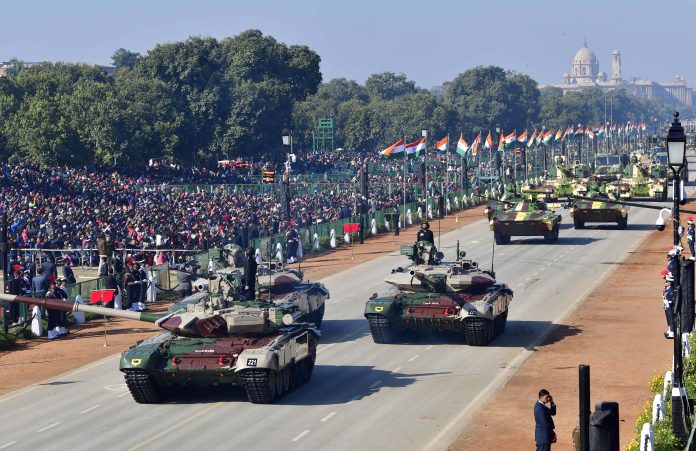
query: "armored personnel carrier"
525, 218
597, 210
440, 296
253, 344
642, 181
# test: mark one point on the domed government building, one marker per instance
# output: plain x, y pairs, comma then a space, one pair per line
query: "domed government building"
584, 73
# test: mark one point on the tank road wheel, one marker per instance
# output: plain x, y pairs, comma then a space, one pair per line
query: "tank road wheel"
578, 223
383, 332
500, 239
622, 223
143, 389
556, 232
260, 385
478, 331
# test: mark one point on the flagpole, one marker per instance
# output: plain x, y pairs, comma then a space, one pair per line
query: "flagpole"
404, 184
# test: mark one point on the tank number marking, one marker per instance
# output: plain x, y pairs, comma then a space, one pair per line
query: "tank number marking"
379, 309
204, 350
472, 312
251, 362
136, 362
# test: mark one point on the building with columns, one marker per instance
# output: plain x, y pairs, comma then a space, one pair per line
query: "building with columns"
584, 74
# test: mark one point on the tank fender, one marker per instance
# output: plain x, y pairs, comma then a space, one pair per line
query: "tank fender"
257, 358
142, 357
383, 307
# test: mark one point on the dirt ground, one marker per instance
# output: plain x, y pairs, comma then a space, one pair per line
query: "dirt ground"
617, 330
39, 359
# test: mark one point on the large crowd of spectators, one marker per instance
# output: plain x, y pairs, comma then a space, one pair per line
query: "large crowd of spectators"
63, 208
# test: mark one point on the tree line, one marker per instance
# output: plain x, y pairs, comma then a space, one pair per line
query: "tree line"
204, 99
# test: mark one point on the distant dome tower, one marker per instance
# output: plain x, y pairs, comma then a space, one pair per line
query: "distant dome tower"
616, 66
585, 67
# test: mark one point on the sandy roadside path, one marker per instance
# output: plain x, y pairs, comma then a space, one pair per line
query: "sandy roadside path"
617, 330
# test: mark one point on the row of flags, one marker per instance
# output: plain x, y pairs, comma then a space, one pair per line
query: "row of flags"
542, 137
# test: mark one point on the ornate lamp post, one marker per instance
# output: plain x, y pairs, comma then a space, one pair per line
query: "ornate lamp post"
676, 149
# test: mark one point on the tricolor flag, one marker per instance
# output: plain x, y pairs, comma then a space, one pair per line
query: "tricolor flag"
568, 132
547, 137
531, 140
443, 144
523, 137
589, 132
489, 141
559, 135
579, 131
539, 138
415, 149
396, 150
510, 139
475, 144
501, 143
462, 146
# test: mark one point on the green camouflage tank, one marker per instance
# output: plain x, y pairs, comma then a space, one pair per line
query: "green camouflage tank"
433, 295
527, 218
597, 210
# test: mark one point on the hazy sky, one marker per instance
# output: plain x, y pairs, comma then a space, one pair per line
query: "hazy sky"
429, 41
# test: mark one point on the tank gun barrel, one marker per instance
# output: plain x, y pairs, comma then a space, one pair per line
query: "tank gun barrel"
436, 285
54, 304
632, 204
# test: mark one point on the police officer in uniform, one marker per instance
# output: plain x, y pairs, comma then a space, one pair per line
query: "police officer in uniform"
425, 234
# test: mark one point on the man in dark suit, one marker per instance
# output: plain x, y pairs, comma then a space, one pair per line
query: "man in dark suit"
544, 409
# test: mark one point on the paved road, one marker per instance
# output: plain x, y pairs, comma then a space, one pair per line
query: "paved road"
416, 395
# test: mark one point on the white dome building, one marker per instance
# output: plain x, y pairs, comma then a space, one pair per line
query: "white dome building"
585, 67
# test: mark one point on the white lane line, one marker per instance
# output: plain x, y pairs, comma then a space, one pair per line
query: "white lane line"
328, 417
90, 409
8, 444
527, 279
376, 383
429, 347
50, 426
556, 259
396, 370
300, 435
123, 394
535, 274
413, 358
542, 269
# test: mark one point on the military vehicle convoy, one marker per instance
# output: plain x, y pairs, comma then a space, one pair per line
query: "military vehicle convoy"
525, 218
211, 339
565, 180
597, 210
641, 177
434, 295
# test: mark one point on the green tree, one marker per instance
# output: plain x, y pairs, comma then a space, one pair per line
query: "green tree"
123, 58
388, 85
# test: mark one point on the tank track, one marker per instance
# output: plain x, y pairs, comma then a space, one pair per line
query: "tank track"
381, 329
481, 331
264, 386
142, 388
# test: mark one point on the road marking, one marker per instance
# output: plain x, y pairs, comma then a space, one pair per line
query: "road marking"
116, 387
176, 426
541, 269
396, 370
90, 409
413, 358
527, 279
556, 259
8, 444
429, 347
300, 435
62, 376
376, 383
328, 417
535, 274
123, 394
50, 426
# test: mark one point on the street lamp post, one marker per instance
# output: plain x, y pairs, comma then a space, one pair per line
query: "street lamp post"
285, 184
676, 148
